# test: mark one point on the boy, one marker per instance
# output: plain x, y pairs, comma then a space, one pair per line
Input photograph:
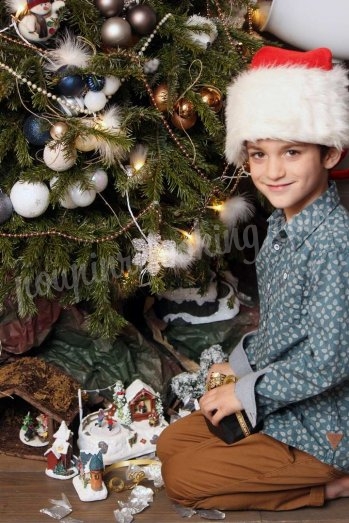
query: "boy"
288, 115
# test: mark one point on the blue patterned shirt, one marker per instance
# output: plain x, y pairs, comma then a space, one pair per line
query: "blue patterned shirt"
294, 370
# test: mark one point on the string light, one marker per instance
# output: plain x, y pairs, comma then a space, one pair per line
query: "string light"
138, 156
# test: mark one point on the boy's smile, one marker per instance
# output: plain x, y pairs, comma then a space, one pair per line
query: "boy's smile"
291, 175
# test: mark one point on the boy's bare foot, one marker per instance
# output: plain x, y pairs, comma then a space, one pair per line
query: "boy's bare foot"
338, 488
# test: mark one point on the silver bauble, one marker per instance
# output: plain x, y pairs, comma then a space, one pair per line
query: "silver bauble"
116, 31
110, 8
142, 19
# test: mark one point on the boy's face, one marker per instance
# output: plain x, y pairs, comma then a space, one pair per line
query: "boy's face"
291, 175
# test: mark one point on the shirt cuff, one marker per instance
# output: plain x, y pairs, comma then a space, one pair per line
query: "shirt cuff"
244, 390
238, 359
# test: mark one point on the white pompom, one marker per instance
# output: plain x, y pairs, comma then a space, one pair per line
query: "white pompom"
95, 101
81, 197
202, 38
30, 199
236, 210
112, 84
57, 158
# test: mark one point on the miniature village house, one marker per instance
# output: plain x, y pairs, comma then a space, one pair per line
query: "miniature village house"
141, 399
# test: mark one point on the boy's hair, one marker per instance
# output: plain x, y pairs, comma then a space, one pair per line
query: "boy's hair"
288, 95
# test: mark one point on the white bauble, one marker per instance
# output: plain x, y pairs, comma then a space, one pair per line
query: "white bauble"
57, 158
30, 199
112, 84
66, 201
81, 197
95, 101
100, 180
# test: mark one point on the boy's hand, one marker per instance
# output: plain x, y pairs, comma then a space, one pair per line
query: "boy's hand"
217, 403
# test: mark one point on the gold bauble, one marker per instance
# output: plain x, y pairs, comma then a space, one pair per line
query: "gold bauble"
212, 97
184, 115
58, 130
161, 97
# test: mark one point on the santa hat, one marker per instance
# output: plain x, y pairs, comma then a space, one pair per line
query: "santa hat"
33, 3
291, 96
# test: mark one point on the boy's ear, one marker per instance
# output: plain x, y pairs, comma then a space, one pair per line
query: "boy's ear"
332, 157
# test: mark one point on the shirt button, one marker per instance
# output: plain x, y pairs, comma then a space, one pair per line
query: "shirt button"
285, 275
276, 246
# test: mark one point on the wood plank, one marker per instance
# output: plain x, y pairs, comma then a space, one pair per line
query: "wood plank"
25, 489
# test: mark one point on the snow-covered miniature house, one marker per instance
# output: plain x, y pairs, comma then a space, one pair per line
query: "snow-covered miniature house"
141, 399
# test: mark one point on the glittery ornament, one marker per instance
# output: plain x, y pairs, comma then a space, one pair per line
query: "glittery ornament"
6, 208
36, 130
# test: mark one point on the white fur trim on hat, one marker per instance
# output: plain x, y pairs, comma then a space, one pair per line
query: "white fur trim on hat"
290, 103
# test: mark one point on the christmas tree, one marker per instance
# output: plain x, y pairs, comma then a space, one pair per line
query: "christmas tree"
112, 132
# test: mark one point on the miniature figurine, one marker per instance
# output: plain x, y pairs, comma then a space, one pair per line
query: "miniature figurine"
28, 427
40, 20
100, 417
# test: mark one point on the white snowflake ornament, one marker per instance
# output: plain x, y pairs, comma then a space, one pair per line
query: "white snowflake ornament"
154, 253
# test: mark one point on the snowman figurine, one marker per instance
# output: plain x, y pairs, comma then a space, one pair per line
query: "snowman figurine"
41, 20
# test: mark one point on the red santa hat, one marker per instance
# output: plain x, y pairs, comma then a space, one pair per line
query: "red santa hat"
33, 3
288, 95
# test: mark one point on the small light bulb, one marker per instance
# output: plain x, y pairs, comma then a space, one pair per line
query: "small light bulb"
138, 156
216, 207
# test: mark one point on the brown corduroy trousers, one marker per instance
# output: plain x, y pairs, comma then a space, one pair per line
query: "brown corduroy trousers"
255, 473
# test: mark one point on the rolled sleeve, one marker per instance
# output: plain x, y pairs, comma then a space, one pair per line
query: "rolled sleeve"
238, 358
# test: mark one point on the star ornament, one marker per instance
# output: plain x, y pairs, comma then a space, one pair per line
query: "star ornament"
154, 253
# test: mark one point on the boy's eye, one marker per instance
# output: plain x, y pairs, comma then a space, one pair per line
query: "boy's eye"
255, 154
292, 152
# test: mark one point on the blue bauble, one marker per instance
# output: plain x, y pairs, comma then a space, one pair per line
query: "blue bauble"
6, 208
95, 83
71, 85
37, 130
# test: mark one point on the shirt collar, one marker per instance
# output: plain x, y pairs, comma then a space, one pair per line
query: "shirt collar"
304, 223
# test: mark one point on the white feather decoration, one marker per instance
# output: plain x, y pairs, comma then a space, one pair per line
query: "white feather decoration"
236, 210
13, 6
71, 51
110, 121
188, 251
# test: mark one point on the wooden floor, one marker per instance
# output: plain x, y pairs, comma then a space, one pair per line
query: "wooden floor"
25, 489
